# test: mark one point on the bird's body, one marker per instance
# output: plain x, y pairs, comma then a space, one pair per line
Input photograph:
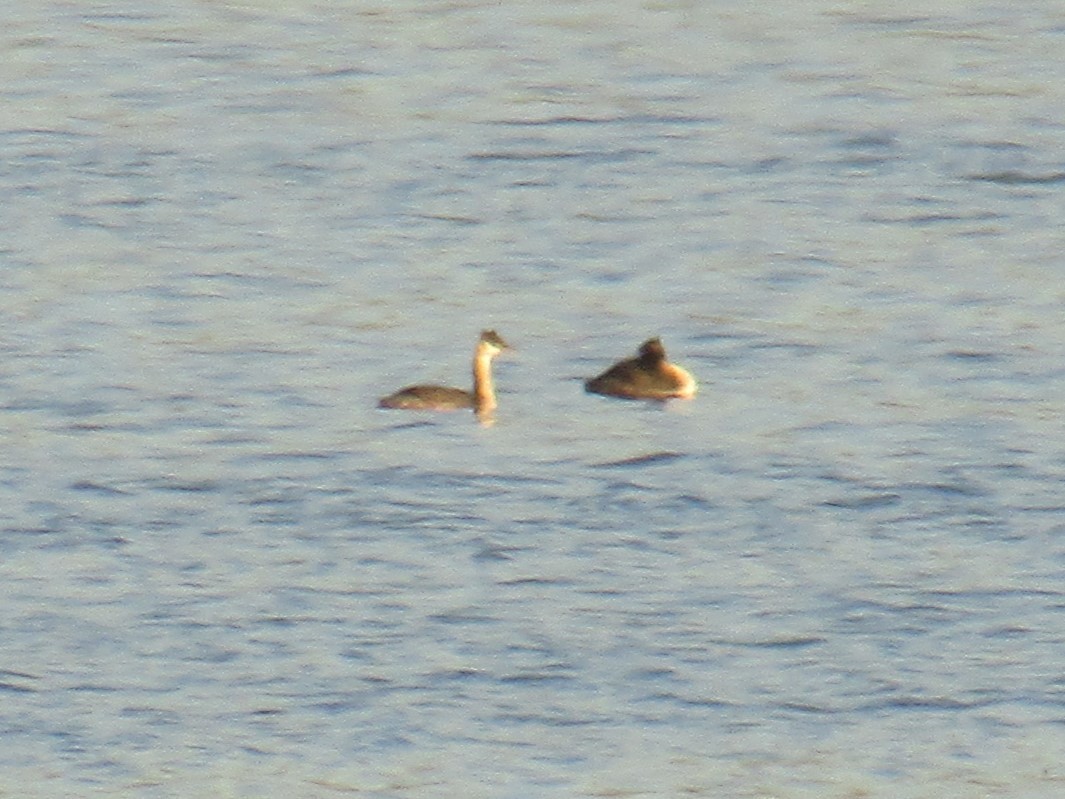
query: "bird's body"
429, 398
648, 376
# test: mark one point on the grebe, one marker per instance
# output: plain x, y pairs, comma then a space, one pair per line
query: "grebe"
442, 398
647, 376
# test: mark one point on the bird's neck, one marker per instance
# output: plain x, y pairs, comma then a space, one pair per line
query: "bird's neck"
484, 395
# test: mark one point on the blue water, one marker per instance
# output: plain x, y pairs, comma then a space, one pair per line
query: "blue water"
837, 572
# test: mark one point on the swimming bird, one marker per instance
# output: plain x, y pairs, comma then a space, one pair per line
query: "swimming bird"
443, 398
647, 376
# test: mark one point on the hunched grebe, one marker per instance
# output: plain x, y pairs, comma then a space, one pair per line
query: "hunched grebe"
647, 376
442, 398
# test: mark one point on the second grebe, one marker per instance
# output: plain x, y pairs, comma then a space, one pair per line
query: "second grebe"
647, 376
443, 398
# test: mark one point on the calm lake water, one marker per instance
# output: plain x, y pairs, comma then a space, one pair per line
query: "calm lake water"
228, 228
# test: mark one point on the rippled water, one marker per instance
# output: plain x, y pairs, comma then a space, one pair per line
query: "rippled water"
229, 228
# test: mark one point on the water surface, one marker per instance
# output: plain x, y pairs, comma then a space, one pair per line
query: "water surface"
230, 228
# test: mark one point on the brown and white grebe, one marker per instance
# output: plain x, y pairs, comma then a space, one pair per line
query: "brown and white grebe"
647, 376
443, 398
